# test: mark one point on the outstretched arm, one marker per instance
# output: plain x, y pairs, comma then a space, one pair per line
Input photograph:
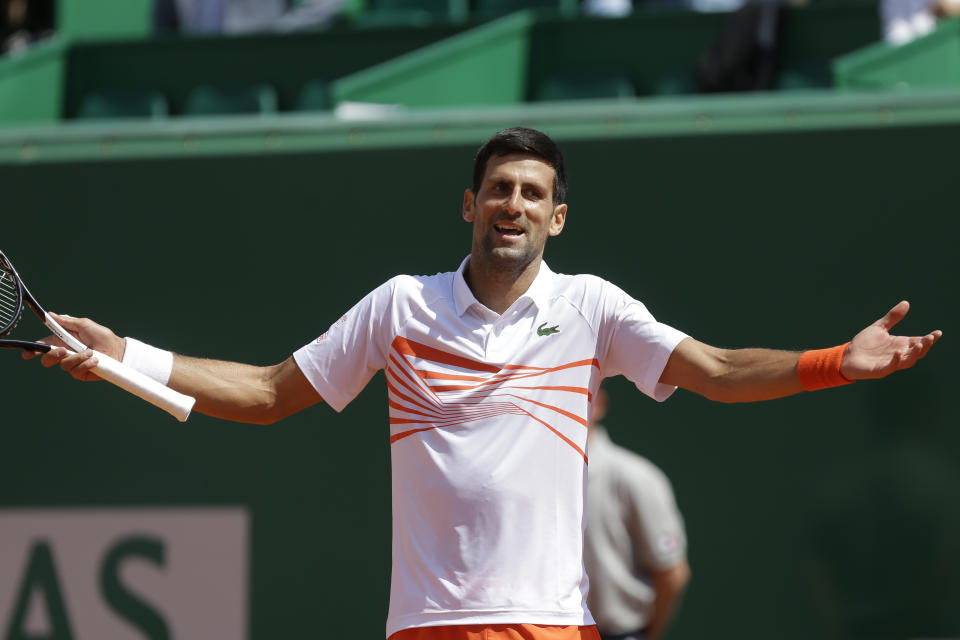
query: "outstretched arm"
228, 390
747, 375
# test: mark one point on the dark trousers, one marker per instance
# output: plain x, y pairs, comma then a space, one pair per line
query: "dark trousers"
633, 635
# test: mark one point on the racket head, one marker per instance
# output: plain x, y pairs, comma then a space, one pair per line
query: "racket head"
11, 296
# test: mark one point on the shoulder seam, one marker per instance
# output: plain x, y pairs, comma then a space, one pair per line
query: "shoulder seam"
433, 295
595, 330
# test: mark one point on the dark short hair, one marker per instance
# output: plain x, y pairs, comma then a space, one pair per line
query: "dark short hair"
524, 141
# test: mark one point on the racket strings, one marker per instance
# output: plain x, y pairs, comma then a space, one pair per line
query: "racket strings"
9, 301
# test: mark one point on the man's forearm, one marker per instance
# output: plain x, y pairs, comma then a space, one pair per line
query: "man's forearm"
733, 375
750, 375
242, 392
668, 587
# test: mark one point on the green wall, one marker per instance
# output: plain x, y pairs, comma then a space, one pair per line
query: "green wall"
931, 61
827, 515
31, 86
104, 18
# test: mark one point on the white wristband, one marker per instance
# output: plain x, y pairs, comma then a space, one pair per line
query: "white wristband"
150, 361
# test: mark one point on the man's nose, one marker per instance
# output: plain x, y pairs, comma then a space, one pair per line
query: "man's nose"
514, 203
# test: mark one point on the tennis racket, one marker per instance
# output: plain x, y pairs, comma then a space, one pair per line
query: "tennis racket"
14, 295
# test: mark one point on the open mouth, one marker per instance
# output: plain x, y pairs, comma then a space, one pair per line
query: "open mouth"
508, 230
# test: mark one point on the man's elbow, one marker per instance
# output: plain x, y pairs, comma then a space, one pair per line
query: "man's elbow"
714, 385
266, 402
273, 408
716, 390
261, 410
720, 380
701, 369
683, 576
283, 391
675, 579
268, 417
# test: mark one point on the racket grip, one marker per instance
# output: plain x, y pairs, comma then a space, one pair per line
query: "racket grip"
173, 402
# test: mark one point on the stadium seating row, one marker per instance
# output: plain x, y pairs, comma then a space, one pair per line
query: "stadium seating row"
411, 12
523, 57
202, 101
261, 97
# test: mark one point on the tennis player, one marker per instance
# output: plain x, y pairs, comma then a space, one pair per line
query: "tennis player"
491, 371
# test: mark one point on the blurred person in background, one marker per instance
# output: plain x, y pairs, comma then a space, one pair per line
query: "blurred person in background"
23, 22
906, 20
635, 546
746, 53
608, 8
229, 17
622, 8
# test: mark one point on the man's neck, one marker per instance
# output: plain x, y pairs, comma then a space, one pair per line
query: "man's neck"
497, 286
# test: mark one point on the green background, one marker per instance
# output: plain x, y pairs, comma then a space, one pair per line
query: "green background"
829, 515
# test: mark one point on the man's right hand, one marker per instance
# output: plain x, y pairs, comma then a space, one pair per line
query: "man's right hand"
227, 390
80, 365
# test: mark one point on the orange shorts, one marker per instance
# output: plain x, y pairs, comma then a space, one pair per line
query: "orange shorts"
498, 632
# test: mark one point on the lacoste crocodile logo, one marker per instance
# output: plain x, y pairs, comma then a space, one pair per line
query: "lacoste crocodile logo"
544, 330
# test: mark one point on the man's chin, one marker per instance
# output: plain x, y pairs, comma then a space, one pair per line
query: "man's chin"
507, 253
510, 255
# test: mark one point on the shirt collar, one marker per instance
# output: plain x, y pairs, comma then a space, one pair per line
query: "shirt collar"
462, 296
538, 292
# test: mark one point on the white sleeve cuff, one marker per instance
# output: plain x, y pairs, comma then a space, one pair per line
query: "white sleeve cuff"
150, 361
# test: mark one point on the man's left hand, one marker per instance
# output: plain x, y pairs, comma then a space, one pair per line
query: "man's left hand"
875, 353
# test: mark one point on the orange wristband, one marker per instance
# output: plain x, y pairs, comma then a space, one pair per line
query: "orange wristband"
820, 368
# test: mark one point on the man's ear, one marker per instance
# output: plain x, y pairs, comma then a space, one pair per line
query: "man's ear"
559, 219
469, 199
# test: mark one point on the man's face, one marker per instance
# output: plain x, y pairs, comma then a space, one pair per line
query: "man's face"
513, 213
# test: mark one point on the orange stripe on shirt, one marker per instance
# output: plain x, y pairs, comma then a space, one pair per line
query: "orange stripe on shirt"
411, 348
563, 412
417, 385
519, 376
582, 390
407, 398
560, 435
439, 375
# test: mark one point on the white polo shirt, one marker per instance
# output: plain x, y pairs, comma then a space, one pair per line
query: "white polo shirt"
488, 432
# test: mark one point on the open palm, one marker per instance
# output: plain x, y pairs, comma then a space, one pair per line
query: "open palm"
875, 353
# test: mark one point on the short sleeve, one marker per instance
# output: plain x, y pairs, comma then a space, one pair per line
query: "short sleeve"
638, 346
341, 362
